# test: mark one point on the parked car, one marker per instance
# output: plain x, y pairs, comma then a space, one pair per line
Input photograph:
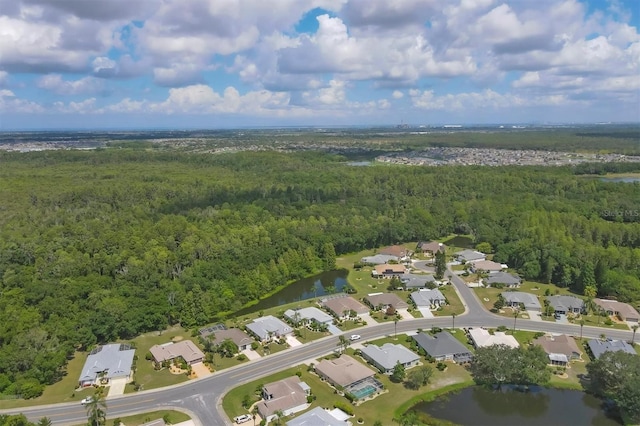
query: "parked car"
242, 418
354, 337
87, 400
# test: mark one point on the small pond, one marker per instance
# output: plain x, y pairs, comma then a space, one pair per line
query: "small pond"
306, 288
509, 406
459, 241
621, 179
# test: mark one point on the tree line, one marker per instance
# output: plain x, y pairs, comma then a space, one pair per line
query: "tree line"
105, 245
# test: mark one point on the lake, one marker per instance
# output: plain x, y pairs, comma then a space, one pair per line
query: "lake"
306, 288
507, 407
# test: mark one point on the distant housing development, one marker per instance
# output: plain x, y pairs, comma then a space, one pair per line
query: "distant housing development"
105, 363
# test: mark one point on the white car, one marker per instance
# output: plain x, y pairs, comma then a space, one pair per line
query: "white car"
87, 400
354, 337
242, 418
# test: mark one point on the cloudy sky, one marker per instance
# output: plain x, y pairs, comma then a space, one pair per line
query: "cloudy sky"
236, 63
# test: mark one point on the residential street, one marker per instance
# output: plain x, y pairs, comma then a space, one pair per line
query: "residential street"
202, 398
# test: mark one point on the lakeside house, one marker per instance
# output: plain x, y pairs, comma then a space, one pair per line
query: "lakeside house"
321, 417
443, 347
467, 255
341, 306
308, 315
431, 247
106, 363
599, 347
269, 327
379, 259
237, 336
343, 371
561, 349
385, 357
486, 266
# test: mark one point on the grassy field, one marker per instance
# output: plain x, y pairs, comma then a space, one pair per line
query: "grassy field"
173, 418
454, 306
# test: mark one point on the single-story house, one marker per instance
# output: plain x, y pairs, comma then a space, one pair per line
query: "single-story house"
385, 301
560, 349
505, 278
341, 306
599, 347
516, 299
317, 417
308, 315
482, 338
563, 304
487, 266
379, 259
467, 255
287, 395
268, 328
107, 362
625, 311
185, 349
428, 298
237, 336
431, 247
414, 281
443, 347
398, 251
388, 271
385, 357
343, 371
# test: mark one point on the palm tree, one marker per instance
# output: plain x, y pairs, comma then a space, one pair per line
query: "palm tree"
581, 325
45, 421
453, 321
633, 339
395, 328
254, 413
516, 311
97, 410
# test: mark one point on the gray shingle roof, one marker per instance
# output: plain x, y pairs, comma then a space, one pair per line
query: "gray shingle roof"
564, 303
469, 255
598, 347
114, 359
262, 326
440, 344
379, 259
502, 278
309, 313
417, 281
426, 297
389, 354
530, 301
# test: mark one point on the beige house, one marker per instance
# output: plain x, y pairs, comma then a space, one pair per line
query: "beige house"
343, 371
385, 301
185, 349
561, 349
341, 306
623, 310
388, 271
287, 396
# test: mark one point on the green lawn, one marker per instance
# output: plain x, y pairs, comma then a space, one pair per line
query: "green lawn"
307, 335
462, 338
173, 417
599, 321
454, 306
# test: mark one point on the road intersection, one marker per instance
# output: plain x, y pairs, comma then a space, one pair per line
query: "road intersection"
202, 398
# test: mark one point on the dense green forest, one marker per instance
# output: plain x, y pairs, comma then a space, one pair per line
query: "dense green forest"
96, 246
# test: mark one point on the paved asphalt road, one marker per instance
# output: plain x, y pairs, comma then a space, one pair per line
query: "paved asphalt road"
202, 398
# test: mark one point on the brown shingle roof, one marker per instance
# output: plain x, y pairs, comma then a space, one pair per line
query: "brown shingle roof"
394, 251
625, 310
286, 394
390, 268
236, 335
185, 349
390, 299
562, 344
344, 370
338, 305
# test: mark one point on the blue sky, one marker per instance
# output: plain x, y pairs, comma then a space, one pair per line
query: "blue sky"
236, 63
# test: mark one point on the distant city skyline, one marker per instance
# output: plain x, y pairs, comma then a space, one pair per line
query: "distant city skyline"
160, 64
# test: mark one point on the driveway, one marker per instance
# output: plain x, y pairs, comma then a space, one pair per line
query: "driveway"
404, 313
117, 387
535, 316
562, 319
334, 330
292, 341
426, 312
251, 354
367, 318
200, 369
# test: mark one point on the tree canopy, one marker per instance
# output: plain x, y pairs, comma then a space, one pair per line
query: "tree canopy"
501, 364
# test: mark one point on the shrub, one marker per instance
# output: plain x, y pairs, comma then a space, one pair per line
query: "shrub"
347, 408
299, 373
241, 357
351, 397
255, 346
502, 328
148, 356
441, 366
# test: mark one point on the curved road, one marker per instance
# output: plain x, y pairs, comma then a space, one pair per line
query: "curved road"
201, 398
